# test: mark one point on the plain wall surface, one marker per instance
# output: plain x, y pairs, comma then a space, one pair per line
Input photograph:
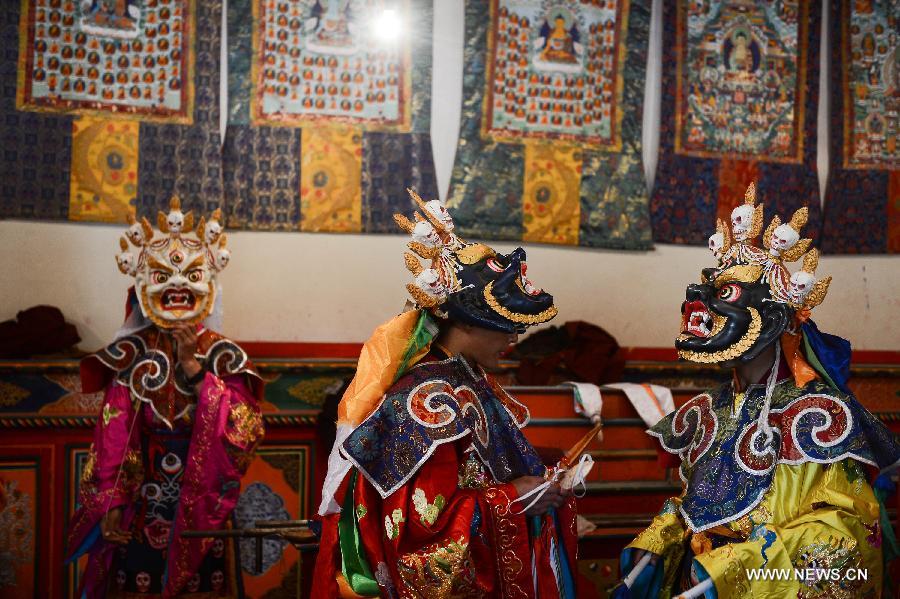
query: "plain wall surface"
337, 288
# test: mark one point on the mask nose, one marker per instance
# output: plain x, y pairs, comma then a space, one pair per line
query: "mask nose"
697, 292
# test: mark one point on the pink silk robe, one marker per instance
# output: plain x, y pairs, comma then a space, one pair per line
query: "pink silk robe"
226, 428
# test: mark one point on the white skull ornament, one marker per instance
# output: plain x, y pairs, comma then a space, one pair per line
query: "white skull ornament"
193, 584
426, 234
120, 580
142, 580
212, 230
717, 245
430, 282
126, 263
801, 284
135, 233
222, 258
217, 580
175, 221
783, 238
741, 220
440, 212
218, 548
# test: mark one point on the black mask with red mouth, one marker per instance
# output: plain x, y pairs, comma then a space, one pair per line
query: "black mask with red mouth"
718, 323
516, 302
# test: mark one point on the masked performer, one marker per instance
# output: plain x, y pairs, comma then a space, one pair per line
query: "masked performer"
420, 499
179, 424
774, 463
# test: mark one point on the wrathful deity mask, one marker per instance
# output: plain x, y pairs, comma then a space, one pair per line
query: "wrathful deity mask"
469, 282
175, 273
745, 303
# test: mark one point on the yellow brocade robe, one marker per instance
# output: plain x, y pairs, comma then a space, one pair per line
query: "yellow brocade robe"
814, 516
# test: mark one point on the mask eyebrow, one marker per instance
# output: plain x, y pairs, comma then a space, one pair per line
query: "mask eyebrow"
154, 263
741, 273
474, 253
198, 261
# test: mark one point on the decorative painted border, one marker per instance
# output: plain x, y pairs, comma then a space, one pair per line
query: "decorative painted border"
30, 462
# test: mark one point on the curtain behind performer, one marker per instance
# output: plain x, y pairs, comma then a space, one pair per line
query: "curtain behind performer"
178, 427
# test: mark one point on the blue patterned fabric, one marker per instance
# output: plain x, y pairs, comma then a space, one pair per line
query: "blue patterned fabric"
436, 403
833, 353
727, 466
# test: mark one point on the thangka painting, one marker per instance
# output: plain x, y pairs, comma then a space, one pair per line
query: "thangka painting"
862, 200
550, 142
108, 106
328, 119
739, 101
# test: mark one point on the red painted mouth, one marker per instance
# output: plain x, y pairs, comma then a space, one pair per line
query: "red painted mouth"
178, 299
696, 319
157, 533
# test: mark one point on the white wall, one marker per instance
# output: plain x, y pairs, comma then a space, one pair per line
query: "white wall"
337, 288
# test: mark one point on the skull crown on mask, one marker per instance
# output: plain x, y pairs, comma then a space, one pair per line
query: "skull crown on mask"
175, 272
750, 299
469, 282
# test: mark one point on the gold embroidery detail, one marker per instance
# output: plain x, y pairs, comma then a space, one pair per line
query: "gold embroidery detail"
132, 472
440, 571
11, 395
505, 533
837, 554
246, 426
89, 469
745, 524
516, 317
472, 474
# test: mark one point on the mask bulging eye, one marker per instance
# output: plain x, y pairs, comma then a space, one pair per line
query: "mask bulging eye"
195, 276
494, 265
160, 277
729, 293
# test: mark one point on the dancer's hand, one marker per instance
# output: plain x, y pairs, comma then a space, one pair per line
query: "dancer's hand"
186, 337
553, 497
109, 527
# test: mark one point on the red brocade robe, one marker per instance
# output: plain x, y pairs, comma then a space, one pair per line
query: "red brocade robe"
447, 526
